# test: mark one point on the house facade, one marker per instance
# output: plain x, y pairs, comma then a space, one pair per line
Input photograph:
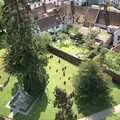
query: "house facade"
116, 38
86, 2
116, 3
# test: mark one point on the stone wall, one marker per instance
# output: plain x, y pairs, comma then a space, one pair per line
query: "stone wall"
72, 59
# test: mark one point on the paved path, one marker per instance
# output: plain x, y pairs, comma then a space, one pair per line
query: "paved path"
101, 115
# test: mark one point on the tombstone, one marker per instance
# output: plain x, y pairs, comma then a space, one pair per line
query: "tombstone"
64, 74
69, 78
59, 61
64, 82
56, 70
49, 67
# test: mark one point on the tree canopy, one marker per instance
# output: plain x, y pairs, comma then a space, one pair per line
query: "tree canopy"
91, 90
22, 58
112, 61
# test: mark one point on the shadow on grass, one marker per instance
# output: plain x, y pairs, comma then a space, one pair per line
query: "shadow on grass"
89, 109
15, 88
39, 107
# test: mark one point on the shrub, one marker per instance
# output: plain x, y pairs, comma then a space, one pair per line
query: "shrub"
64, 73
112, 60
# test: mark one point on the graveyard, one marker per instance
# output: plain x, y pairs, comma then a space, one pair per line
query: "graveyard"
61, 74
64, 67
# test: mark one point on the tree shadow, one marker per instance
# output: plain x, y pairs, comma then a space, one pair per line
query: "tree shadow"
89, 109
39, 107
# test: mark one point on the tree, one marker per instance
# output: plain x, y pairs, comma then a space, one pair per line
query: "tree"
2, 27
64, 103
41, 42
22, 59
44, 6
91, 90
112, 60
72, 5
90, 38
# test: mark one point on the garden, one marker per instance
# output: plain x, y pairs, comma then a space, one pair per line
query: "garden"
44, 108
63, 91
62, 74
57, 88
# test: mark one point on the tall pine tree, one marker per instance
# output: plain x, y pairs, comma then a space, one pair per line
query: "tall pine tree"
22, 59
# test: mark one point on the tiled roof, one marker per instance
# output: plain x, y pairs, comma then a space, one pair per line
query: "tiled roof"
88, 13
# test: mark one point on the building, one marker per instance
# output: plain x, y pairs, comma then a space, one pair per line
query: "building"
34, 5
86, 2
59, 2
116, 3
116, 38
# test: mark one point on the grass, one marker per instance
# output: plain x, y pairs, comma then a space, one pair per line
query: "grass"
5, 96
113, 116
48, 111
81, 52
104, 36
3, 74
54, 78
44, 109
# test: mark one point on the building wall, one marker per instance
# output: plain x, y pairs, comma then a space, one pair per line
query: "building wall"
82, 2
116, 2
38, 4
116, 40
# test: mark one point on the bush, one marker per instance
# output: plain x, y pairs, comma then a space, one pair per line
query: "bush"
112, 60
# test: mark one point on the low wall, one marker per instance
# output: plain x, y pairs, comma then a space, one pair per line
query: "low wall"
72, 59
76, 61
115, 77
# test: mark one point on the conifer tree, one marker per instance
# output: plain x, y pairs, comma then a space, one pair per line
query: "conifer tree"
22, 59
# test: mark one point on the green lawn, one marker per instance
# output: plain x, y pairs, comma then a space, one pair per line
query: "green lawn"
113, 116
5, 96
43, 109
82, 52
3, 76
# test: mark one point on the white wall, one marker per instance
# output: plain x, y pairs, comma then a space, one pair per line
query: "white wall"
38, 4
116, 39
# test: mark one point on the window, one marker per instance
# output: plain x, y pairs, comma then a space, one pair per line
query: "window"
118, 38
